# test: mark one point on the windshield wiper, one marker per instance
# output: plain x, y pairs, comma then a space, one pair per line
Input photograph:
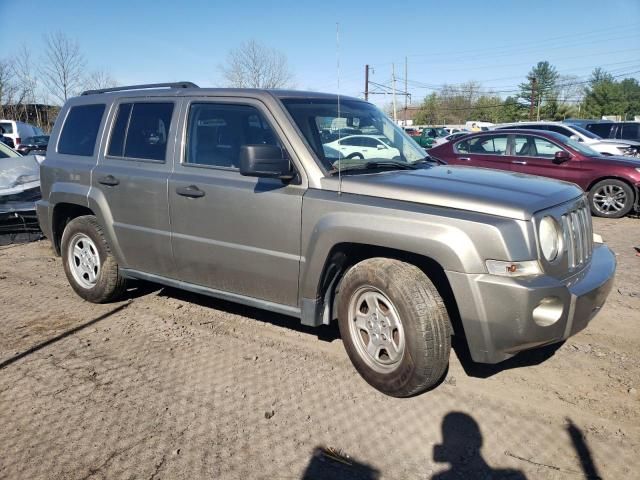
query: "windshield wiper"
426, 159
389, 164
349, 166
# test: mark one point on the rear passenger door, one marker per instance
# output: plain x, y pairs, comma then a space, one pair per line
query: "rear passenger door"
233, 233
132, 174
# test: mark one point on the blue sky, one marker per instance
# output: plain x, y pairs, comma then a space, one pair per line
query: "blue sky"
494, 42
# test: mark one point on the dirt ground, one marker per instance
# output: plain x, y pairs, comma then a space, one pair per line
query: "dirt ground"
179, 386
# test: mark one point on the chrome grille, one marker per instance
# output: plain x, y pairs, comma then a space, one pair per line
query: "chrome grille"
578, 236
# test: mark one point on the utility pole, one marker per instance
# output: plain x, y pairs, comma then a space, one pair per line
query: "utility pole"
393, 79
366, 83
406, 92
533, 97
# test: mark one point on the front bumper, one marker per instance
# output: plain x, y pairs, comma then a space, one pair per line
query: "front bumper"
497, 313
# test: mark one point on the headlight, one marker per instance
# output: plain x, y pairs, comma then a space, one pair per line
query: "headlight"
629, 151
549, 238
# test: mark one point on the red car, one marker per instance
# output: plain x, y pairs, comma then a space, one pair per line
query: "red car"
612, 183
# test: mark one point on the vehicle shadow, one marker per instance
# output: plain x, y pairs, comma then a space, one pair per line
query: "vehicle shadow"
327, 333
330, 465
528, 358
460, 448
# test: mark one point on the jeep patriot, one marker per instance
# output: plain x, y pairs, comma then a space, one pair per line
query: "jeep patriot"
236, 194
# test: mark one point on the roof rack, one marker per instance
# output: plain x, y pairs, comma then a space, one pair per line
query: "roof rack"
142, 87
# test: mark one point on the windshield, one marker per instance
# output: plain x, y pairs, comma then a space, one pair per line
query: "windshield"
586, 132
570, 142
360, 136
6, 152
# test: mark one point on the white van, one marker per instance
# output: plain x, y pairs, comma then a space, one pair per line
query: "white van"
18, 131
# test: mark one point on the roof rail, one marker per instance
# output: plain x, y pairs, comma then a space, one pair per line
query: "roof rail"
142, 87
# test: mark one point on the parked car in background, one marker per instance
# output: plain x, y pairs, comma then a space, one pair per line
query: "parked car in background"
412, 131
476, 126
6, 140
612, 130
18, 131
245, 204
612, 183
429, 135
34, 145
19, 182
603, 146
449, 138
364, 147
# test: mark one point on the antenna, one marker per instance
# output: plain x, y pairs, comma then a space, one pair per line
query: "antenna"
339, 129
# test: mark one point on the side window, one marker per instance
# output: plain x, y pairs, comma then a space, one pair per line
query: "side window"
215, 133
485, 145
631, 131
561, 130
601, 129
80, 130
544, 148
146, 132
118, 133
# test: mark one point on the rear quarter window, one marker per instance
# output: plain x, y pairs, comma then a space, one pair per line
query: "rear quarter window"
80, 130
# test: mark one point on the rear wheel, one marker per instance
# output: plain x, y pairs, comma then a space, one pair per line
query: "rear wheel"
90, 267
611, 198
394, 326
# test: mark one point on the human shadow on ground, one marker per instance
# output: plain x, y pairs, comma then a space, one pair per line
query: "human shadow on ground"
460, 448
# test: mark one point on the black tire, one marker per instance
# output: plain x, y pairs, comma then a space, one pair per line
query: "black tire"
424, 319
620, 188
356, 155
109, 284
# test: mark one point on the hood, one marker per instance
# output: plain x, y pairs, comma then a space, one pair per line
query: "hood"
12, 168
612, 141
493, 192
621, 160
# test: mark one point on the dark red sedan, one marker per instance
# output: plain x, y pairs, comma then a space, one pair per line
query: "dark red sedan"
612, 183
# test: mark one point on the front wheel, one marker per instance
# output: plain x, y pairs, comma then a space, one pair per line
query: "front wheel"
394, 326
611, 198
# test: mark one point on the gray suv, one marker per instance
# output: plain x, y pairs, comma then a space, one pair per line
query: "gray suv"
236, 194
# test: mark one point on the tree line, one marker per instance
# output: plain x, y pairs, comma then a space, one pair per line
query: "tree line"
33, 87
544, 95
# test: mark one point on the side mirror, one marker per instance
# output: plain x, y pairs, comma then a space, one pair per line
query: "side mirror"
561, 157
267, 161
381, 147
576, 138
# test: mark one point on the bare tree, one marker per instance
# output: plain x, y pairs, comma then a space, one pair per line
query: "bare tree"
63, 66
8, 88
254, 65
27, 83
99, 79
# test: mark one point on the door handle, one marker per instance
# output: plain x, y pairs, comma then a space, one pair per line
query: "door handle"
519, 162
191, 191
109, 180
466, 159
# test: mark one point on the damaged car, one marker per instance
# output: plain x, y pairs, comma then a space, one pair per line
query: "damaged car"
19, 183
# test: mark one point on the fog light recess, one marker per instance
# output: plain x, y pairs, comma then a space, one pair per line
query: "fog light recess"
548, 311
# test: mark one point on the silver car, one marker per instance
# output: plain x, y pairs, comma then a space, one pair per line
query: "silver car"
232, 193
